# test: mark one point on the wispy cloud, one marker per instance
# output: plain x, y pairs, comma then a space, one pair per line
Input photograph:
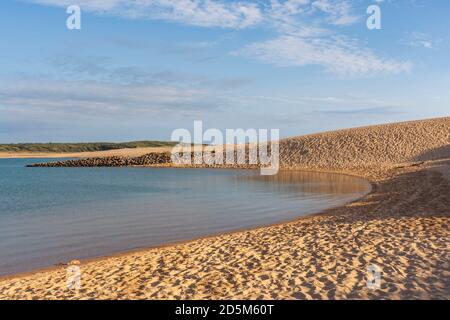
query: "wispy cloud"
362, 111
420, 39
100, 69
92, 86
101, 99
204, 13
327, 102
337, 55
339, 12
308, 32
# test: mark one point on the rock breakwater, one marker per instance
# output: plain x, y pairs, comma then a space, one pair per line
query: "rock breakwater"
116, 161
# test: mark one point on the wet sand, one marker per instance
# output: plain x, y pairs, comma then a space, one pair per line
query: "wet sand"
401, 227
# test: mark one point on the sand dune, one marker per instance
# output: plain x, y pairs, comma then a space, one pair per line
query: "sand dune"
369, 146
401, 227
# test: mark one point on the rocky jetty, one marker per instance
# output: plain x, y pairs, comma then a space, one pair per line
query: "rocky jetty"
150, 159
145, 160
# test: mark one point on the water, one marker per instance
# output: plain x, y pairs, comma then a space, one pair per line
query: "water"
51, 215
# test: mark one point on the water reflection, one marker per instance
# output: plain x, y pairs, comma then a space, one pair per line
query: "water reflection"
311, 182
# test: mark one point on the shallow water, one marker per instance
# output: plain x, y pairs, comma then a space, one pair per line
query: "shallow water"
51, 215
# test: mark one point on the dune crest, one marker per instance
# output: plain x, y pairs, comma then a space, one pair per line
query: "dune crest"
380, 145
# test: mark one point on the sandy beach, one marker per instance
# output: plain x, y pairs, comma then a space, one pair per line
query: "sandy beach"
131, 152
401, 227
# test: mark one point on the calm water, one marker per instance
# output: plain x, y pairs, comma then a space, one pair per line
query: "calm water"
51, 215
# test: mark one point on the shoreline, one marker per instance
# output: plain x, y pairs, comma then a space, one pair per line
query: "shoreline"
131, 255
371, 187
79, 155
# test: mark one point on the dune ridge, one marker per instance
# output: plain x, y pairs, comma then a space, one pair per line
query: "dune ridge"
370, 146
401, 227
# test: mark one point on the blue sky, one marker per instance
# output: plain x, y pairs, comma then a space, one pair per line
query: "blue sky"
140, 69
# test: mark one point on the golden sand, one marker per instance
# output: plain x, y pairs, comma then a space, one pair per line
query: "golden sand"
131, 152
402, 227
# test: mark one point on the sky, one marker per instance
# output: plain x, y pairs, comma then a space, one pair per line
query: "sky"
137, 70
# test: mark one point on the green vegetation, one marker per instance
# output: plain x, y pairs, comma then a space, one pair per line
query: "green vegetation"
80, 147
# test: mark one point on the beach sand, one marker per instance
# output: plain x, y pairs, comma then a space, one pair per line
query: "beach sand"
130, 152
401, 228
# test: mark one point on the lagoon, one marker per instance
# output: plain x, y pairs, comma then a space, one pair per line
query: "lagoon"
53, 215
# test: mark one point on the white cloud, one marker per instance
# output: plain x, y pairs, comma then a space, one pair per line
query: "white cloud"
339, 56
309, 32
419, 39
91, 5
339, 11
215, 13
99, 98
204, 13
